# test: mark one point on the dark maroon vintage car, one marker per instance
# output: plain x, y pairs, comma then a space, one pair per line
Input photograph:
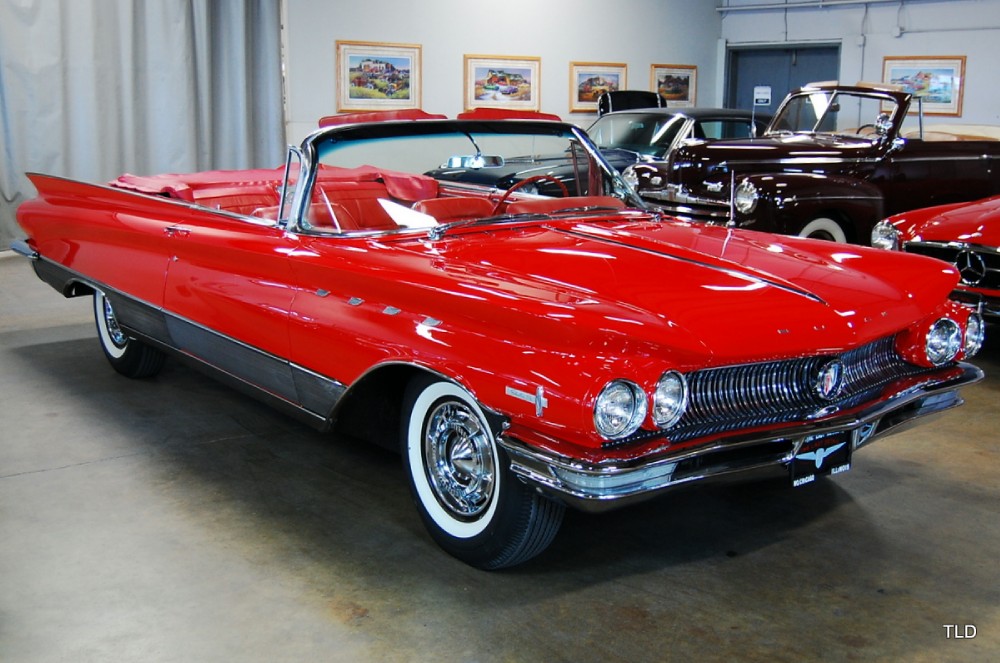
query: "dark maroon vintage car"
834, 161
965, 234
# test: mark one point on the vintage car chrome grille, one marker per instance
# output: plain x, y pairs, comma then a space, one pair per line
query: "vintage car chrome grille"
733, 397
979, 266
678, 202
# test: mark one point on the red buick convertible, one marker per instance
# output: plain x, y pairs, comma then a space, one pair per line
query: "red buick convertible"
525, 353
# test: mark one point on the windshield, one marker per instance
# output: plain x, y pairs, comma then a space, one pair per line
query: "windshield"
400, 175
646, 134
834, 112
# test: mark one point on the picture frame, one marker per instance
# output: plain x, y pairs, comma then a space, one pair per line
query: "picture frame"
500, 81
937, 79
677, 83
374, 76
588, 80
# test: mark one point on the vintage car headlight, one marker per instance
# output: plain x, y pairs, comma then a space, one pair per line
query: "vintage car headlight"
620, 409
975, 334
944, 340
745, 197
670, 399
885, 236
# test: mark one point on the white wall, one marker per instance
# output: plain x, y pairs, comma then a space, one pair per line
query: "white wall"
636, 32
869, 32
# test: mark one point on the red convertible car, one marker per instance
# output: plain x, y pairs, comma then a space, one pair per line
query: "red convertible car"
525, 353
964, 234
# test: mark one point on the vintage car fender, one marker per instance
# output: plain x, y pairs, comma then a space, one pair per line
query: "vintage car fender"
809, 204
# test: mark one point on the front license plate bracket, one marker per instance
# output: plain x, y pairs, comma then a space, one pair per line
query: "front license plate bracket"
821, 455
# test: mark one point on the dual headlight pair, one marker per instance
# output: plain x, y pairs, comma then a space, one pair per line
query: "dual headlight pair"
945, 339
622, 405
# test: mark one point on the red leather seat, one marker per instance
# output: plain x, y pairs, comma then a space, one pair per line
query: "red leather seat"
356, 205
454, 209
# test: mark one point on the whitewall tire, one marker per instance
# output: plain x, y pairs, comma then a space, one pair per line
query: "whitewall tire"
471, 503
126, 355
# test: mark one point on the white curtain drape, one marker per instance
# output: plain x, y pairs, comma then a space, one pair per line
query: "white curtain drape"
90, 89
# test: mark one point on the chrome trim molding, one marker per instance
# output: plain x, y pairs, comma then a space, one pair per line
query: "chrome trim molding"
289, 387
21, 248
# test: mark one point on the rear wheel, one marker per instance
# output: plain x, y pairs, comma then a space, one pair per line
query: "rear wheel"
126, 355
824, 228
474, 507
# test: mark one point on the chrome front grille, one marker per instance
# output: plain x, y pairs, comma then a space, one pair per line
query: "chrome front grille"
979, 266
677, 201
748, 395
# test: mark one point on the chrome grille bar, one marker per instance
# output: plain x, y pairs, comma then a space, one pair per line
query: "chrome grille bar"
732, 397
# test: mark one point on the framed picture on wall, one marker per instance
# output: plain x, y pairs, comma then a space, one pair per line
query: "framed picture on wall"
935, 79
497, 81
377, 76
589, 80
677, 83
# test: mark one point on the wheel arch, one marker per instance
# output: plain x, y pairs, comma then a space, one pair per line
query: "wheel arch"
372, 408
793, 200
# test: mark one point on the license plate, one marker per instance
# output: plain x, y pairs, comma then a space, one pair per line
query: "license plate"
820, 455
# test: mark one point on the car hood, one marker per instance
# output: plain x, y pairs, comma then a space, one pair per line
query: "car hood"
974, 223
795, 149
720, 295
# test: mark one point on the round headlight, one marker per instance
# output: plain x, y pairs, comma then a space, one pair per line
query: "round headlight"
631, 177
885, 236
944, 340
975, 334
670, 399
620, 409
745, 197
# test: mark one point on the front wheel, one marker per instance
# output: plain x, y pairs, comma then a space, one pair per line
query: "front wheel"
474, 507
126, 355
824, 228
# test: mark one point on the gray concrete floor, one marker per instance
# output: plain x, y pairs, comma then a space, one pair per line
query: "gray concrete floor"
176, 520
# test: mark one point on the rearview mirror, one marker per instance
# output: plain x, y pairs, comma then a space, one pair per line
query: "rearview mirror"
475, 161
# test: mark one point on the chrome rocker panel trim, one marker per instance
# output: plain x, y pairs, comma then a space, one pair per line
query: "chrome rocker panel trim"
597, 487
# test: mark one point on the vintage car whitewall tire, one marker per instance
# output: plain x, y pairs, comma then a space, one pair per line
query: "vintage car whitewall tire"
824, 228
471, 503
126, 355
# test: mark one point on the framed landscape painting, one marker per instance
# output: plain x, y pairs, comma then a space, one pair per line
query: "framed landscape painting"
497, 81
377, 76
677, 83
589, 80
936, 80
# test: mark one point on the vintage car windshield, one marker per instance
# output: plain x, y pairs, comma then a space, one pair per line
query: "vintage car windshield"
833, 112
416, 159
646, 134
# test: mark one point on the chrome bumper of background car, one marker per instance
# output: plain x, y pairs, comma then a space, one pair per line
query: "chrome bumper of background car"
602, 486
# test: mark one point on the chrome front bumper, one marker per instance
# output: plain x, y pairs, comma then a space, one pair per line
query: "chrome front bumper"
606, 485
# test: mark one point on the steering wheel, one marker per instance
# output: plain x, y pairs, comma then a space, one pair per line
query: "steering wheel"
525, 182
865, 126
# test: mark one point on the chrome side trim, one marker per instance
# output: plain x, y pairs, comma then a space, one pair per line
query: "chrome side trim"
600, 486
286, 386
21, 248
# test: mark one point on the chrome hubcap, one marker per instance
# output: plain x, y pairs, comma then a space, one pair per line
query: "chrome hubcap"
458, 453
118, 337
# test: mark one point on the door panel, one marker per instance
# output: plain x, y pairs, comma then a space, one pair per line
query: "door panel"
228, 295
